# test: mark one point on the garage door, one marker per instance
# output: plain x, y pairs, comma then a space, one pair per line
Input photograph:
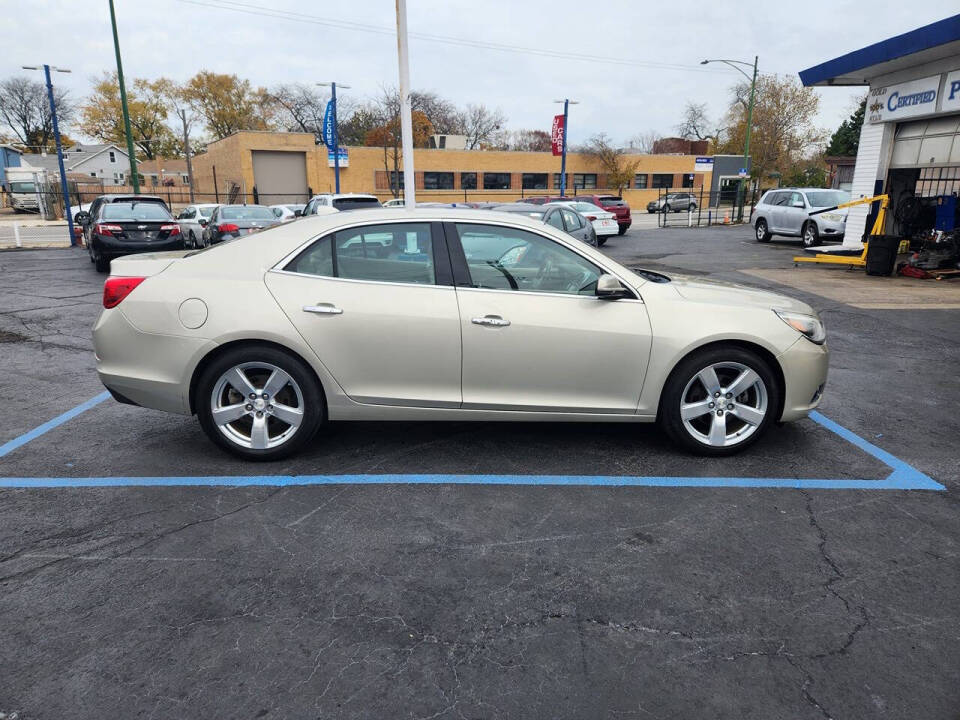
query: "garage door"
280, 177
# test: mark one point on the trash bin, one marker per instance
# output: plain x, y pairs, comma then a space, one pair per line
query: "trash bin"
882, 254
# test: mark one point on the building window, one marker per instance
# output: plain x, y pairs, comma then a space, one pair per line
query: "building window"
468, 180
496, 181
93, 174
640, 181
687, 181
396, 179
153, 180
534, 181
583, 181
438, 181
186, 179
113, 157
556, 180
662, 180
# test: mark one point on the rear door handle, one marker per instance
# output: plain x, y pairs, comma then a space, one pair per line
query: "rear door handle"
323, 309
490, 320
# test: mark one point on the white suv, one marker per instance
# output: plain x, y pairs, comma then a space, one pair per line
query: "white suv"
330, 202
786, 211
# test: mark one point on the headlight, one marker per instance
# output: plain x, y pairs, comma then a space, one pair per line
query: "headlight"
810, 326
833, 217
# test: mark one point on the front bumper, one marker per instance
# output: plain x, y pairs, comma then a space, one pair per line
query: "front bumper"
831, 228
805, 366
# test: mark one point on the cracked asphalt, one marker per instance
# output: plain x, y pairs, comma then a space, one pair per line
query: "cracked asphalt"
449, 601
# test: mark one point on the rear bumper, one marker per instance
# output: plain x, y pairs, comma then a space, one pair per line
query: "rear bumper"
624, 222
111, 247
805, 367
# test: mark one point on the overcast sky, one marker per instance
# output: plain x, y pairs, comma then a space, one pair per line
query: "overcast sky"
652, 49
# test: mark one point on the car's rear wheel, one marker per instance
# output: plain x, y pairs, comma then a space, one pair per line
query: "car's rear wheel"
666, 209
259, 402
622, 230
719, 401
601, 240
810, 237
192, 240
763, 234
101, 263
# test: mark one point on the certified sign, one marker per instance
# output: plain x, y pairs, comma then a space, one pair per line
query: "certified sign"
951, 93
909, 99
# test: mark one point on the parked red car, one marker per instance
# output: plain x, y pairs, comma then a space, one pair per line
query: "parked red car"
610, 203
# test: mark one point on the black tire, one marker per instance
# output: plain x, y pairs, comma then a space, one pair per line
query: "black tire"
314, 404
688, 368
763, 233
622, 230
601, 241
102, 264
191, 241
809, 235
666, 208
692, 208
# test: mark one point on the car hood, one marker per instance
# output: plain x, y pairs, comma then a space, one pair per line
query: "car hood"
718, 292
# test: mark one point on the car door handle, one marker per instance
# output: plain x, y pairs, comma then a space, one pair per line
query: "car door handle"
490, 320
323, 309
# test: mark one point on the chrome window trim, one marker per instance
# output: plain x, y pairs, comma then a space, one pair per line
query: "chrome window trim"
355, 280
514, 293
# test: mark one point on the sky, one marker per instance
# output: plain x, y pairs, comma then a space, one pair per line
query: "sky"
631, 64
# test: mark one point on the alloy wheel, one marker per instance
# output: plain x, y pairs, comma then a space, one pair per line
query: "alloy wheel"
257, 405
724, 404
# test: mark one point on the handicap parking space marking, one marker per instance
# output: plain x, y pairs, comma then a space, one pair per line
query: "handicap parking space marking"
903, 476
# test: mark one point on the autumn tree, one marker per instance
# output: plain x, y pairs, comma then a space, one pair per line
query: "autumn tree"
783, 133
25, 110
148, 103
386, 133
531, 141
846, 140
228, 104
617, 165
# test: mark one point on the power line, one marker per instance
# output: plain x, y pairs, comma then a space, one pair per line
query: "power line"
248, 9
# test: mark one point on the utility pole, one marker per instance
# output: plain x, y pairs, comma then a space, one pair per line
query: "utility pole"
134, 175
186, 149
563, 154
334, 131
406, 118
56, 137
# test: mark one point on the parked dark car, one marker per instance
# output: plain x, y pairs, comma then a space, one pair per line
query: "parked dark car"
84, 218
611, 203
563, 218
128, 227
231, 221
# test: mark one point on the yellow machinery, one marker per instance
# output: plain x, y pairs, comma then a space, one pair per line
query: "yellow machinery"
851, 260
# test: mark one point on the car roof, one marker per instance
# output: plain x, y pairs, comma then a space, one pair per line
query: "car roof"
127, 197
519, 208
236, 205
345, 195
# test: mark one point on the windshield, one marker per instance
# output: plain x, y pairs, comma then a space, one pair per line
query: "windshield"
134, 211
22, 187
247, 212
827, 198
205, 212
355, 203
294, 208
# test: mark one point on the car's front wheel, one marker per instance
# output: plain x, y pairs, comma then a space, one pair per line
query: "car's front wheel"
763, 233
810, 236
719, 401
259, 402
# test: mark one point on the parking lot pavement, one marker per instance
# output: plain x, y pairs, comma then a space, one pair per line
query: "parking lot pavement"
483, 600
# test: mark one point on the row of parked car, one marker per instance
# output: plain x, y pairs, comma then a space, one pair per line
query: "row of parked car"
115, 225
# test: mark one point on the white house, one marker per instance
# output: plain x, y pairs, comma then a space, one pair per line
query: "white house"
107, 163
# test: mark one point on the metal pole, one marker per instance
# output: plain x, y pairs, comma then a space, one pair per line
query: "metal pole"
135, 177
186, 151
216, 190
63, 172
406, 119
746, 144
336, 139
563, 155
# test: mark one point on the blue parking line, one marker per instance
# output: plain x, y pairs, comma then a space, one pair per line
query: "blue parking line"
9, 447
903, 476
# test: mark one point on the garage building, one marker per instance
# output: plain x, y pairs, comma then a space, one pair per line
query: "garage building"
910, 141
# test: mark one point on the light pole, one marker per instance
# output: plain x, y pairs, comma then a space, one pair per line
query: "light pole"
335, 137
134, 175
56, 136
746, 142
406, 113
563, 154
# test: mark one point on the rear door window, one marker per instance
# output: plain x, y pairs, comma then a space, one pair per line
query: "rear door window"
355, 203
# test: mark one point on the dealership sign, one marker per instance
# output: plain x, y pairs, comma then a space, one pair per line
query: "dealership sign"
328, 125
951, 93
557, 135
703, 164
344, 158
905, 100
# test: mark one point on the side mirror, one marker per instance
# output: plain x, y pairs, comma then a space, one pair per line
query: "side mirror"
203, 222
799, 204
298, 213
609, 288
82, 217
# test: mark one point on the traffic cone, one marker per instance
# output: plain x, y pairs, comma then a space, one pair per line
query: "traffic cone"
726, 217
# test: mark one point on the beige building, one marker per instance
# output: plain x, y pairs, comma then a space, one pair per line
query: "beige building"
288, 167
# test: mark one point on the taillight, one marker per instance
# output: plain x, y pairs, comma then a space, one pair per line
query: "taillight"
227, 228
115, 289
591, 218
174, 229
101, 229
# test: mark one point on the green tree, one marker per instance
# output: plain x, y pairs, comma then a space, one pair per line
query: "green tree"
846, 140
228, 104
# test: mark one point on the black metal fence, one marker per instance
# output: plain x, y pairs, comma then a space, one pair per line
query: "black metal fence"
697, 207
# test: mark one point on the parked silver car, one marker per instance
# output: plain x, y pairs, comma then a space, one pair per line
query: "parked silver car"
786, 211
560, 216
673, 202
192, 220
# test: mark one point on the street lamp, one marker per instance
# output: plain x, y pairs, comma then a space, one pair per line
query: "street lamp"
746, 143
56, 137
333, 138
563, 160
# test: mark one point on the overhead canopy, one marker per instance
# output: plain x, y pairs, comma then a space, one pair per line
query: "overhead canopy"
926, 44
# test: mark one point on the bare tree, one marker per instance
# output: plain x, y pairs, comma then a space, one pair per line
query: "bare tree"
695, 124
483, 126
25, 110
301, 107
643, 142
531, 141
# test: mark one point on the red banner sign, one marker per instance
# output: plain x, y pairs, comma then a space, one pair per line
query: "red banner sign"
557, 135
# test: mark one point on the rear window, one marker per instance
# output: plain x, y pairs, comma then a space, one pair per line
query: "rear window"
135, 211
247, 212
612, 200
355, 203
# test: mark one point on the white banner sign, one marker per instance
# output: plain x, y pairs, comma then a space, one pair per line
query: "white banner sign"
909, 99
703, 164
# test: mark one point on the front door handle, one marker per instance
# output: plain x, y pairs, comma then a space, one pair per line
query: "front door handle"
490, 320
323, 309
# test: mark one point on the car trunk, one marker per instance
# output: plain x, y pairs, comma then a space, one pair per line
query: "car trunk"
138, 232
617, 206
